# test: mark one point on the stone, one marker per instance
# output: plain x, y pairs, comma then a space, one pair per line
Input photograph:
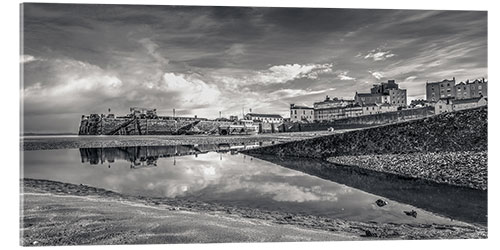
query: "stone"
411, 213
381, 202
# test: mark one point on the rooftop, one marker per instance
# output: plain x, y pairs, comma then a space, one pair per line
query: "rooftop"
300, 107
264, 115
470, 100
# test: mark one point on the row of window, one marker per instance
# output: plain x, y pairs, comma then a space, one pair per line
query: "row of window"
303, 112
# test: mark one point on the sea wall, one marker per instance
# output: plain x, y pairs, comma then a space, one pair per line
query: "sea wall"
464, 130
360, 121
128, 126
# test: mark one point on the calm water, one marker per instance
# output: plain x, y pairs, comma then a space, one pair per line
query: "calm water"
215, 173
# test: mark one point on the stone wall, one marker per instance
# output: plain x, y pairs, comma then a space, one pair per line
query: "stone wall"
464, 130
106, 126
360, 121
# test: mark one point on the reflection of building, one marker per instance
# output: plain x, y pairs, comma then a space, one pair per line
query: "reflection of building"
265, 118
147, 156
141, 155
301, 113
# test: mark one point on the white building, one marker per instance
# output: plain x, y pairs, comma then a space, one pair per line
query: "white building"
449, 105
301, 113
265, 118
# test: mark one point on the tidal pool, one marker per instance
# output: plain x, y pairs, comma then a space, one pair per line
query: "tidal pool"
217, 173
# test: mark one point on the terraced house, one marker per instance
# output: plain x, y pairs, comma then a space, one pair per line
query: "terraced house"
447, 89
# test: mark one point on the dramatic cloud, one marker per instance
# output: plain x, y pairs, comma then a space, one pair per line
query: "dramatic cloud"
379, 55
377, 75
190, 91
81, 59
27, 59
344, 77
275, 74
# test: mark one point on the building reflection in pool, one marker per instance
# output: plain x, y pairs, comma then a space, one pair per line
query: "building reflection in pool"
147, 156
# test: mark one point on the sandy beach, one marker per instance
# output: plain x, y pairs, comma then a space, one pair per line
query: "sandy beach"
56, 213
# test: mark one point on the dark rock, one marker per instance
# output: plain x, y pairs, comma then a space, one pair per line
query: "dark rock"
411, 213
381, 203
368, 233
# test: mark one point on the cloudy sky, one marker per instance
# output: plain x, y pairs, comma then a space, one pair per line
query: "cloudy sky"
81, 59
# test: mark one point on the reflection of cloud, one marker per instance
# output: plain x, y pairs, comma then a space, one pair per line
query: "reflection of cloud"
227, 178
281, 191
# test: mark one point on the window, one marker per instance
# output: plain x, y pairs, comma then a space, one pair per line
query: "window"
479, 87
295, 111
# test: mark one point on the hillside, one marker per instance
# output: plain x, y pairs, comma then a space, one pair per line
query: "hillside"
464, 130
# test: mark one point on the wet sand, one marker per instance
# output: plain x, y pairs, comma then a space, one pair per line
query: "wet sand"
61, 142
56, 213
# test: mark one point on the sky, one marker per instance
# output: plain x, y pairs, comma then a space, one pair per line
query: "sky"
82, 59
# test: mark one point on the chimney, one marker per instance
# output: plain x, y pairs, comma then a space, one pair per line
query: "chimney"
453, 79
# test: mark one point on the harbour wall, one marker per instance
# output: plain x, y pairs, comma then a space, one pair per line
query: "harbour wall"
99, 125
361, 121
130, 126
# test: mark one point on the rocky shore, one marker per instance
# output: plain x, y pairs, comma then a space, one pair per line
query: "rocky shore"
465, 130
466, 169
33, 230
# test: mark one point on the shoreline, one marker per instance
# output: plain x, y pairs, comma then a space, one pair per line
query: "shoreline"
340, 229
463, 168
68, 142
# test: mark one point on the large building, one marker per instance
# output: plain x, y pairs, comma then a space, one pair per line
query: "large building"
386, 92
475, 89
331, 109
447, 89
265, 118
440, 90
301, 113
